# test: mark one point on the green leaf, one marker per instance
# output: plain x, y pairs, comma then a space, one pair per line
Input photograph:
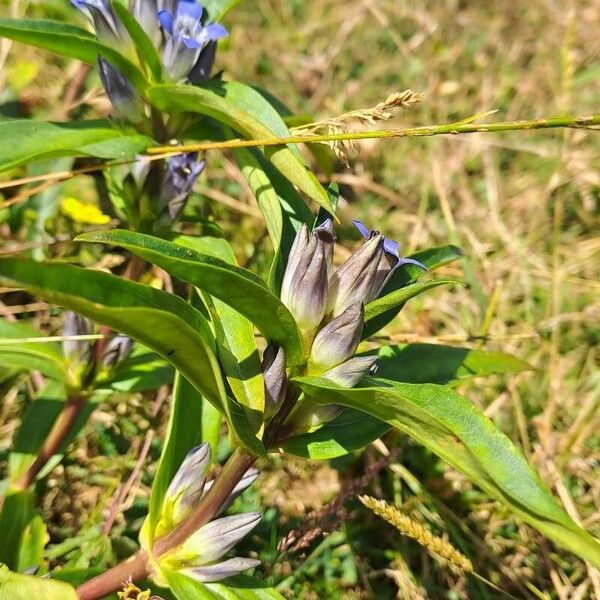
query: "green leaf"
399, 298
434, 363
33, 541
282, 207
408, 363
161, 321
17, 512
240, 587
141, 371
432, 258
46, 357
239, 288
350, 431
38, 140
192, 420
70, 41
451, 427
236, 345
23, 587
146, 49
245, 110
217, 9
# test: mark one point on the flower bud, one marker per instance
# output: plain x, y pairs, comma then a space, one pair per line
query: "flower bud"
188, 483
338, 340
178, 180
125, 100
275, 378
348, 374
305, 281
201, 70
116, 350
109, 30
358, 279
77, 351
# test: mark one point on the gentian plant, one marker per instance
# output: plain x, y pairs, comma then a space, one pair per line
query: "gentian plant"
287, 359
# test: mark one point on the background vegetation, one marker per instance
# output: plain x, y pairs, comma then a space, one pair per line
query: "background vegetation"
524, 208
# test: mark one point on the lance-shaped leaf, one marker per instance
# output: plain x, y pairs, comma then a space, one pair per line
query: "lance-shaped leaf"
246, 111
70, 41
398, 298
409, 363
17, 511
161, 321
451, 427
352, 430
435, 363
239, 288
19, 349
405, 274
236, 345
24, 140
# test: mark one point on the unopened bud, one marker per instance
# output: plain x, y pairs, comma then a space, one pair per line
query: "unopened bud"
123, 97
116, 350
78, 351
201, 70
348, 374
305, 282
109, 30
338, 340
275, 378
178, 180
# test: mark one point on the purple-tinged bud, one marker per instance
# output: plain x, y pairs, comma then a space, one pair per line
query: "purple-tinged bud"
117, 350
179, 178
305, 282
275, 378
186, 37
109, 30
201, 70
358, 279
348, 374
125, 100
249, 477
338, 340
215, 539
189, 478
221, 570
78, 351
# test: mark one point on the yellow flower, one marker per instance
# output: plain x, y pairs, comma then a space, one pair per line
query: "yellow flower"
82, 212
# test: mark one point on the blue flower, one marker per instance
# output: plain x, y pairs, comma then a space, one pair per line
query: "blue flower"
186, 37
178, 181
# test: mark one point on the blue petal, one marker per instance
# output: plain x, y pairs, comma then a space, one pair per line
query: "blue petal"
191, 43
189, 9
165, 18
364, 231
412, 261
215, 31
391, 247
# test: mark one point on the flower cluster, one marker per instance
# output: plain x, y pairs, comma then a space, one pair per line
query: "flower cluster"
328, 306
175, 27
200, 555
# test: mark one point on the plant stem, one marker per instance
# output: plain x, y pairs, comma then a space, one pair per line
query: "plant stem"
575, 122
136, 567
61, 428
